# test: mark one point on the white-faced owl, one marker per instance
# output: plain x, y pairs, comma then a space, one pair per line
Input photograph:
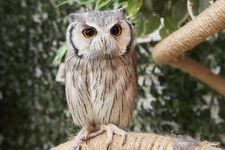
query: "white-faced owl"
101, 78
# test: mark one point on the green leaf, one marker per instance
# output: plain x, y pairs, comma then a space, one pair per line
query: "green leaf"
61, 52
179, 10
170, 24
195, 7
119, 3
133, 6
203, 4
163, 32
80, 2
199, 6
151, 24
60, 3
101, 4
139, 27
84, 2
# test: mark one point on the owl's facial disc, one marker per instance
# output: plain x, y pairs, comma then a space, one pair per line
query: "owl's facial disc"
93, 34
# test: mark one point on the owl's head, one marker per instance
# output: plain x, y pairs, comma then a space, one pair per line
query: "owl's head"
100, 33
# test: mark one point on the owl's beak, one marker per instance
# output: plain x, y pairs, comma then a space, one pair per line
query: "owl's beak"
105, 45
103, 42
109, 45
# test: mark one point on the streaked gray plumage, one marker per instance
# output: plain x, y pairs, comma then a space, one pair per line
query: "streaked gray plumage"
101, 74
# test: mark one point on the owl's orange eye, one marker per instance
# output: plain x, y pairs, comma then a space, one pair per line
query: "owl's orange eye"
116, 30
89, 32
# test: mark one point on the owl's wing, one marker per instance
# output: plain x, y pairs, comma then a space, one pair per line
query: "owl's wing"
134, 58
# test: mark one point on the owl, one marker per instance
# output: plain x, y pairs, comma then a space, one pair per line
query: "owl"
101, 76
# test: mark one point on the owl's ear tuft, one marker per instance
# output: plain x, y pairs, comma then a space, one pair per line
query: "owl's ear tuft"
122, 12
74, 16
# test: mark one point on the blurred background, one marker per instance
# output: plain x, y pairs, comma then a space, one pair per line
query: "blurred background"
33, 109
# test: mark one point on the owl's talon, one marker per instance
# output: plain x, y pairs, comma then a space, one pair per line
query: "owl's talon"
107, 146
94, 134
77, 143
124, 138
80, 137
76, 148
110, 129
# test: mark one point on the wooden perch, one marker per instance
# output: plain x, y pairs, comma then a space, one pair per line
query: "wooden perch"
142, 141
171, 50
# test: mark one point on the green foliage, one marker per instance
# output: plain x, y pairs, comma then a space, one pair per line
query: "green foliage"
133, 6
200, 5
61, 52
33, 107
100, 4
170, 25
34, 112
151, 24
80, 2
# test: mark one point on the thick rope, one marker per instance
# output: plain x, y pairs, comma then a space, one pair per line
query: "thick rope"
171, 50
200, 72
209, 22
142, 141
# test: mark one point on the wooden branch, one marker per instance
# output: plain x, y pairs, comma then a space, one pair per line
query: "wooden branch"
171, 50
142, 141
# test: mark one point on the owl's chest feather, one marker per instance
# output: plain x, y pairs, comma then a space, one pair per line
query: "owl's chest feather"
106, 88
